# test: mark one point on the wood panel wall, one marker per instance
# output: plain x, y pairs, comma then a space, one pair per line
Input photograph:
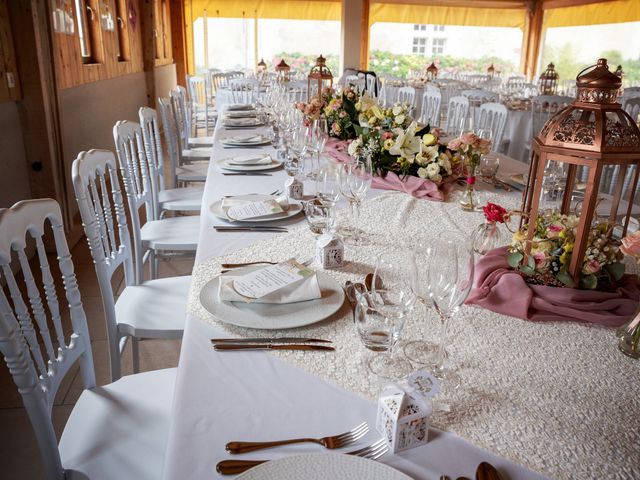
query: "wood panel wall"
71, 70
9, 81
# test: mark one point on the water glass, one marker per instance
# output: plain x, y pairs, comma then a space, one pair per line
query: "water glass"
355, 181
319, 217
489, 165
328, 183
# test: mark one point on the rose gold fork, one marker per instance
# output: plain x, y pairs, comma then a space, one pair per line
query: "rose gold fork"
334, 441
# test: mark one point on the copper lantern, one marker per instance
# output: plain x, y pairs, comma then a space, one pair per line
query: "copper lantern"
282, 69
548, 81
320, 77
491, 71
619, 72
432, 71
586, 140
262, 67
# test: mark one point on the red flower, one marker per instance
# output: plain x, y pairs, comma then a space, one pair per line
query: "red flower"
494, 213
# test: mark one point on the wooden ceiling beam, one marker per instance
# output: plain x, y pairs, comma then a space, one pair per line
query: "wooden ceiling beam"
464, 3
547, 4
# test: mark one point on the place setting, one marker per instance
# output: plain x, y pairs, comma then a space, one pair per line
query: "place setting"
249, 163
245, 141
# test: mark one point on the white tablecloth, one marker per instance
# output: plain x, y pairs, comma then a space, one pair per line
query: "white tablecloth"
253, 395
518, 131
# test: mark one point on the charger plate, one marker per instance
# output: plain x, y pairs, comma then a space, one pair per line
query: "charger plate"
294, 209
323, 466
267, 316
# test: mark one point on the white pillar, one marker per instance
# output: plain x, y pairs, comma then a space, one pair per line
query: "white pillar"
351, 33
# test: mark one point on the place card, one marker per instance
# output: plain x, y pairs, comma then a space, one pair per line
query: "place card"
249, 210
267, 280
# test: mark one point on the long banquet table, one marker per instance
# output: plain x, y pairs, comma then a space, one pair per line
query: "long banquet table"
553, 398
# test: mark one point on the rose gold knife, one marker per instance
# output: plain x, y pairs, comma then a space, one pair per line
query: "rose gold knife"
269, 340
268, 346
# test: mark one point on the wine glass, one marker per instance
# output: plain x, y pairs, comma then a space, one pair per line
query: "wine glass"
298, 143
450, 278
355, 181
381, 312
328, 183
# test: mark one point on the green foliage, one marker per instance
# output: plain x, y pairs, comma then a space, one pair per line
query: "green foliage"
303, 63
401, 65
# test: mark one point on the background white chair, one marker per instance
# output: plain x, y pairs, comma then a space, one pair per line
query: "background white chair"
493, 116
182, 172
407, 95
169, 199
244, 90
113, 432
156, 237
431, 100
154, 309
202, 110
193, 148
632, 107
457, 113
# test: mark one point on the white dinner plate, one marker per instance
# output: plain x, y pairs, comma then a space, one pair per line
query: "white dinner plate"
269, 316
240, 106
242, 122
231, 141
241, 114
294, 209
227, 165
323, 466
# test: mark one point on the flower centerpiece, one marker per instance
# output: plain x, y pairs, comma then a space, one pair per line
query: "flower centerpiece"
551, 250
410, 151
470, 148
339, 110
629, 334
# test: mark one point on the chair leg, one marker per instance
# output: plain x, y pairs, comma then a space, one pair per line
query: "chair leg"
135, 355
153, 265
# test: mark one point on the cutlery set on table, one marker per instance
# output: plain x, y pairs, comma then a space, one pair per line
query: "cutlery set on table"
274, 343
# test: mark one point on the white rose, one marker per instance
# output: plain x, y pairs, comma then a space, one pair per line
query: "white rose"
433, 169
354, 146
399, 119
397, 110
422, 172
421, 160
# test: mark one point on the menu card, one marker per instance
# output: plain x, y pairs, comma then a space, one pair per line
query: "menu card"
267, 280
254, 210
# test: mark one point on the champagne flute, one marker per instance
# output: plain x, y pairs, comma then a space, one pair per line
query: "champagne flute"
355, 181
450, 278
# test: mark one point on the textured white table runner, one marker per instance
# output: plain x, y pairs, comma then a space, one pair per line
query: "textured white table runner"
555, 397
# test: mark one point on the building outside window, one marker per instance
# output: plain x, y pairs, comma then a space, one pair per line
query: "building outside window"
422, 28
438, 28
419, 45
437, 46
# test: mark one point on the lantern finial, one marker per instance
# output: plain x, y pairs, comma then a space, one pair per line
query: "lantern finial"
598, 85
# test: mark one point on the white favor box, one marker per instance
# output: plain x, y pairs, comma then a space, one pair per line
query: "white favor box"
330, 251
402, 419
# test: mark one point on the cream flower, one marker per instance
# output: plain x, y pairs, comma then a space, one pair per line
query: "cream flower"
422, 172
388, 143
406, 144
366, 102
396, 110
354, 146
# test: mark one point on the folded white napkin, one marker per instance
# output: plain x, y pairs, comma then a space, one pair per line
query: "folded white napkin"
244, 139
241, 114
240, 106
250, 160
301, 291
241, 122
227, 203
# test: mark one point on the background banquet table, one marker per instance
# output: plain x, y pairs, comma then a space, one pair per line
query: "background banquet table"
530, 402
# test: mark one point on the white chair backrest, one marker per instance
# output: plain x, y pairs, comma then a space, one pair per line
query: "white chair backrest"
493, 116
37, 362
198, 90
297, 92
170, 130
218, 79
476, 79
138, 182
243, 92
632, 107
630, 92
457, 112
543, 107
181, 115
431, 101
480, 96
529, 90
407, 95
93, 173
152, 143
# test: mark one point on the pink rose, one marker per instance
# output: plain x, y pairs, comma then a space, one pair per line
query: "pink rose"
541, 261
469, 138
455, 144
482, 146
387, 135
631, 245
554, 230
342, 114
592, 266
336, 128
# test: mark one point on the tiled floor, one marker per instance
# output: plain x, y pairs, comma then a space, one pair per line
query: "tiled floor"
19, 455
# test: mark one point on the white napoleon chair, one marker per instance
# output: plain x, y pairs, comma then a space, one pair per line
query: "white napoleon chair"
493, 117
431, 101
169, 199
203, 112
113, 432
457, 113
632, 107
157, 237
192, 148
629, 93
144, 310
182, 172
407, 95
244, 90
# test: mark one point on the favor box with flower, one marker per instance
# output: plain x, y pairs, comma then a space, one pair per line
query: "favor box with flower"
403, 419
330, 251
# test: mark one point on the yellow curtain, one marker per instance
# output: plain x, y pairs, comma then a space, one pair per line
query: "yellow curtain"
442, 15
618, 11
286, 9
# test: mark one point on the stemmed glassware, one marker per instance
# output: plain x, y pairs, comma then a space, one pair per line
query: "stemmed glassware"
450, 278
355, 181
380, 313
298, 143
318, 135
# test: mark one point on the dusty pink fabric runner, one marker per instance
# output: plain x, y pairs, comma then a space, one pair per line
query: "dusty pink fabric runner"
415, 186
499, 289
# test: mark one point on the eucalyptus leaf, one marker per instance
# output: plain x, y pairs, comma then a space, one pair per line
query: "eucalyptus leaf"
531, 262
527, 270
514, 259
616, 270
589, 281
565, 278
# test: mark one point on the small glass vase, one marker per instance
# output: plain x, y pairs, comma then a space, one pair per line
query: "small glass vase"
469, 202
487, 236
629, 337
